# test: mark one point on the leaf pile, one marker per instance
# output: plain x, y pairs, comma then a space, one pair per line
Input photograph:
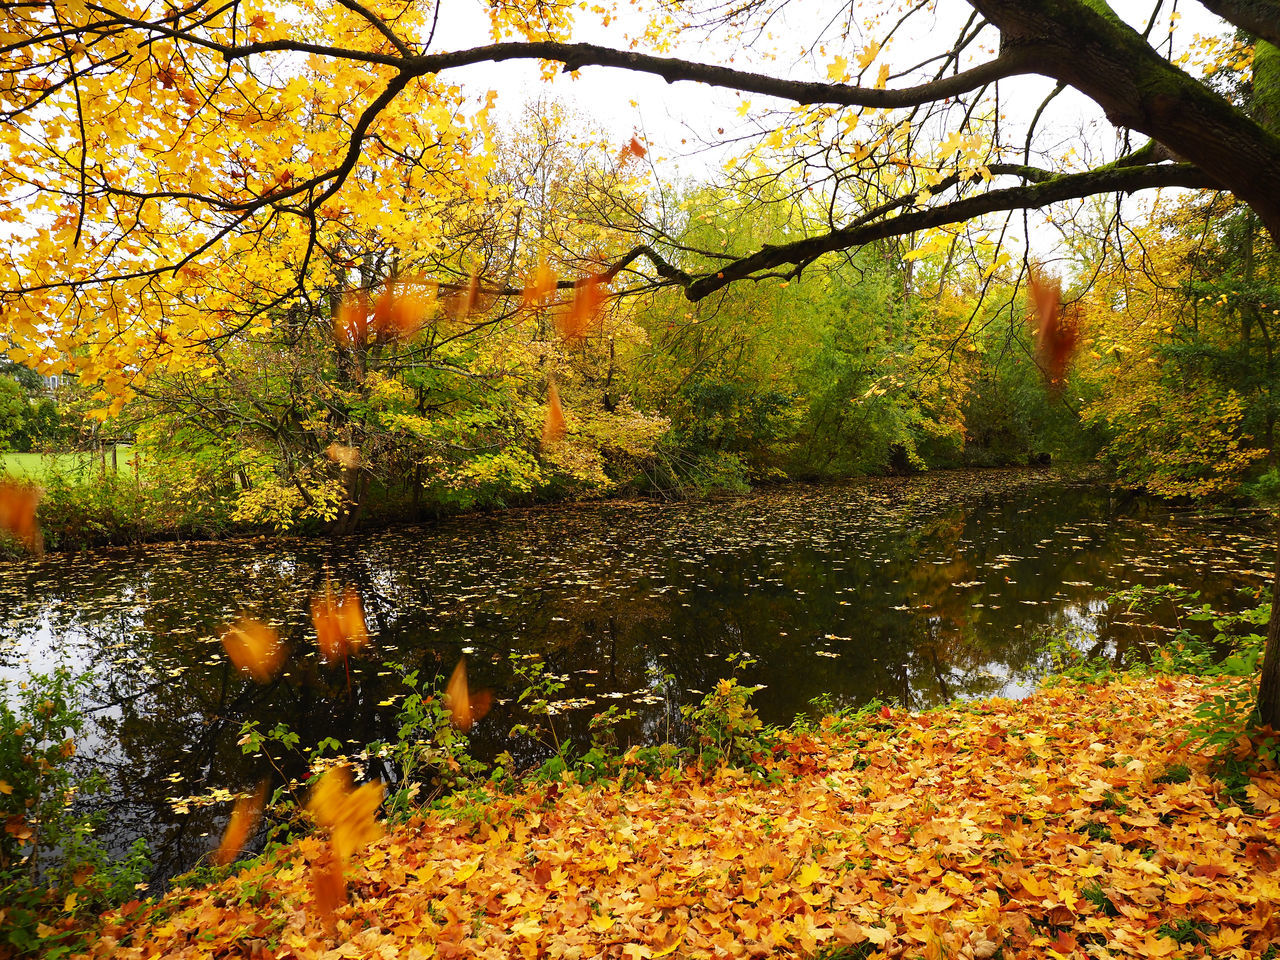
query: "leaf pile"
1069, 824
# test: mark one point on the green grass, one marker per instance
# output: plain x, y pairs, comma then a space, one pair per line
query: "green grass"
37, 466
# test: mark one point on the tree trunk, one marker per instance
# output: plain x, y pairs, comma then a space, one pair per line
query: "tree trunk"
1269, 685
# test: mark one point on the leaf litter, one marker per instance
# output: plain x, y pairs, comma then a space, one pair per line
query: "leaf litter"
1047, 827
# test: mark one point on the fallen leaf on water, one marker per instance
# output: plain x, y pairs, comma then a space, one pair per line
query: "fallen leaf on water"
254, 648
244, 820
465, 706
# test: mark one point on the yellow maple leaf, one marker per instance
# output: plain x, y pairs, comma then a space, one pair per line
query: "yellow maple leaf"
838, 70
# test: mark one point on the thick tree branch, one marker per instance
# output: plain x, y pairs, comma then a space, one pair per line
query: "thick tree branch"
1032, 195
1259, 17
575, 56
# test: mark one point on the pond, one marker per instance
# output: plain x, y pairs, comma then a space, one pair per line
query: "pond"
911, 590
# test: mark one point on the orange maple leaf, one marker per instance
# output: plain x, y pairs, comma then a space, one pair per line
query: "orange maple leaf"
18, 504
465, 706
328, 887
254, 648
244, 820
632, 151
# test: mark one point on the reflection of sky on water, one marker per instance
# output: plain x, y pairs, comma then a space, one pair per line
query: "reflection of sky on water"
909, 590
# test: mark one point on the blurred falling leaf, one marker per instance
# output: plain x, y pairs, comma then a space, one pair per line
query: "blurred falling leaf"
402, 308
539, 286
340, 624
553, 429
254, 648
244, 820
351, 322
328, 887
465, 300
1057, 333
349, 814
632, 151
344, 456
465, 706
588, 296
18, 514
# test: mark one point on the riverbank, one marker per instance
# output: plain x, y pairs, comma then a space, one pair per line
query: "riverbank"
1072, 823
114, 511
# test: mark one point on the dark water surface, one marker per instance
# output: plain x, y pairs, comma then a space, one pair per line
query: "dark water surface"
914, 590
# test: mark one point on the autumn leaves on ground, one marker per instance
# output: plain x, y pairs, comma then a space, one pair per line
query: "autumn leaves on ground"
1069, 824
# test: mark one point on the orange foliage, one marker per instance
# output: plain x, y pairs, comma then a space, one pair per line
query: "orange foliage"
465, 706
254, 648
344, 456
18, 504
632, 151
1002, 828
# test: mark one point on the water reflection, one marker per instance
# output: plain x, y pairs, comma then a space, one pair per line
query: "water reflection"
916, 590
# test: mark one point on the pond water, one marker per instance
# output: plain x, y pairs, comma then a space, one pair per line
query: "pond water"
914, 590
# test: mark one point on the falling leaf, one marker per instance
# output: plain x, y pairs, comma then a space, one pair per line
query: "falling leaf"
340, 624
18, 514
634, 150
588, 296
465, 300
402, 308
244, 820
539, 286
328, 887
344, 456
351, 322
1056, 333
254, 648
465, 706
349, 814
553, 429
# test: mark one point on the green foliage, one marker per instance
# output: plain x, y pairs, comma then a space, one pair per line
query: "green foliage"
54, 873
726, 729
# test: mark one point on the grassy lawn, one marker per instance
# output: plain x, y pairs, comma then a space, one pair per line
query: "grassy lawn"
38, 466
